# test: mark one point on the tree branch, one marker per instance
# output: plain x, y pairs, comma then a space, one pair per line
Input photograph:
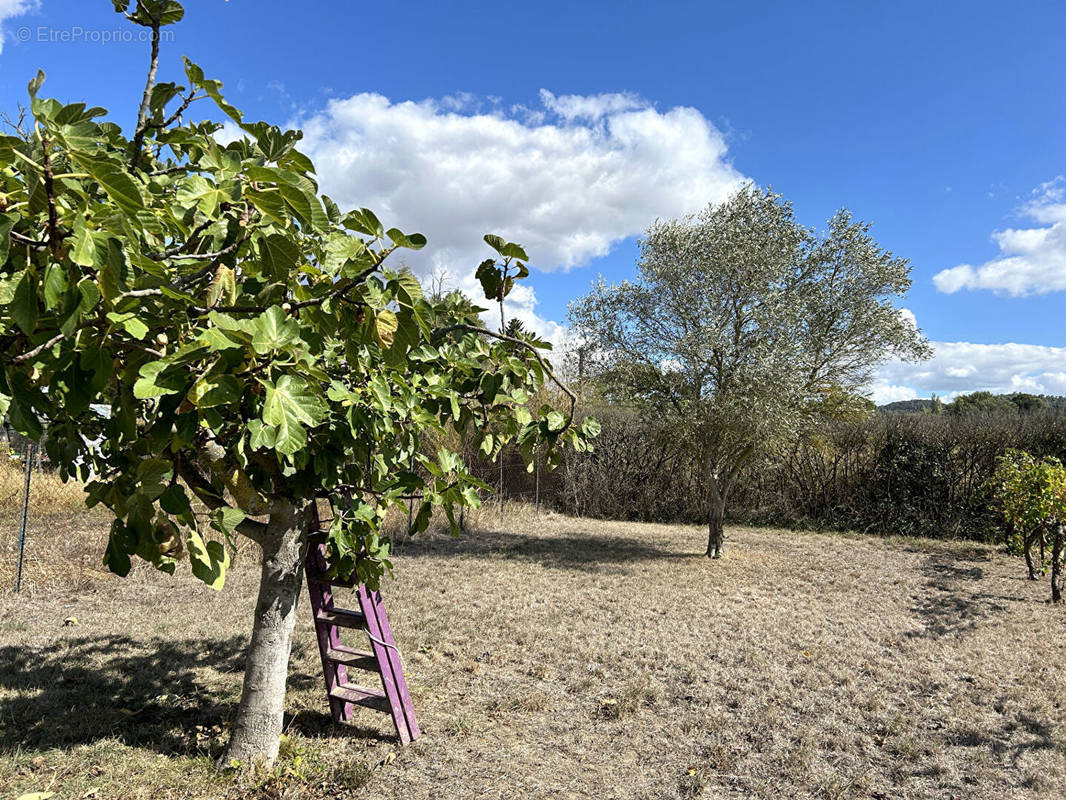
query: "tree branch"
17, 126
49, 190
173, 251
178, 251
172, 170
34, 243
38, 349
345, 288
187, 101
177, 255
59, 337
201, 310
142, 114
213, 499
225, 251
441, 332
348, 489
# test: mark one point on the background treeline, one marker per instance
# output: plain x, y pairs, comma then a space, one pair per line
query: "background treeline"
982, 403
923, 472
916, 467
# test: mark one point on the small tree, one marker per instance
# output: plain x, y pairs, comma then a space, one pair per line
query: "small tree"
985, 403
1030, 493
744, 327
253, 350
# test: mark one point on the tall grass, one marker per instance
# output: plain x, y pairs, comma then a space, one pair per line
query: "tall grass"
48, 494
64, 540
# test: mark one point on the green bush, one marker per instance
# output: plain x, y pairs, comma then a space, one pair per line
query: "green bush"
1030, 493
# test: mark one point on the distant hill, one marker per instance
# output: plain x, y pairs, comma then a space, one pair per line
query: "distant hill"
908, 406
983, 402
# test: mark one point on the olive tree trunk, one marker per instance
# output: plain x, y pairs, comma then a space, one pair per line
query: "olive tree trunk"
257, 729
715, 517
720, 477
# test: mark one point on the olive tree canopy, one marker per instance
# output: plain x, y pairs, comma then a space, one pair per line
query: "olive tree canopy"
743, 327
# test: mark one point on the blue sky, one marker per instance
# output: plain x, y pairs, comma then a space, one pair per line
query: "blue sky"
936, 121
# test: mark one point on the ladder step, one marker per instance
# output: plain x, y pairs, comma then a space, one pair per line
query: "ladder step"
341, 617
325, 580
360, 696
350, 657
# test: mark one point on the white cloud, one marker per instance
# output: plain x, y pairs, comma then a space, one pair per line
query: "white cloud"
1031, 261
590, 107
229, 132
962, 367
13, 8
1048, 204
567, 180
882, 393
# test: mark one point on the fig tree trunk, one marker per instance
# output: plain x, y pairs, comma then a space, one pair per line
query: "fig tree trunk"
257, 729
715, 518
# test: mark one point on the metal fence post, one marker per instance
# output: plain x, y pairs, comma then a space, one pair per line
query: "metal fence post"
501, 484
536, 490
27, 470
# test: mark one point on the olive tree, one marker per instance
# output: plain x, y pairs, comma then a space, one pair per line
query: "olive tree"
254, 351
743, 327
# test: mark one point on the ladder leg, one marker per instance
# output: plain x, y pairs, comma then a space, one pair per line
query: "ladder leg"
328, 636
394, 664
382, 647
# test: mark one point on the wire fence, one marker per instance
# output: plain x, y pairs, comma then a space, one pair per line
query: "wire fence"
510, 479
30, 485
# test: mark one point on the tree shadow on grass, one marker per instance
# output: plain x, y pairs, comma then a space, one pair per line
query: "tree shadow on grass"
173, 697
145, 694
1013, 738
950, 602
571, 550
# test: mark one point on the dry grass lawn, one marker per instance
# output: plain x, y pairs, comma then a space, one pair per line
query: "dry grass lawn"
560, 658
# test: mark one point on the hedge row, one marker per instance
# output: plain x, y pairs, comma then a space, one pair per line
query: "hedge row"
909, 474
